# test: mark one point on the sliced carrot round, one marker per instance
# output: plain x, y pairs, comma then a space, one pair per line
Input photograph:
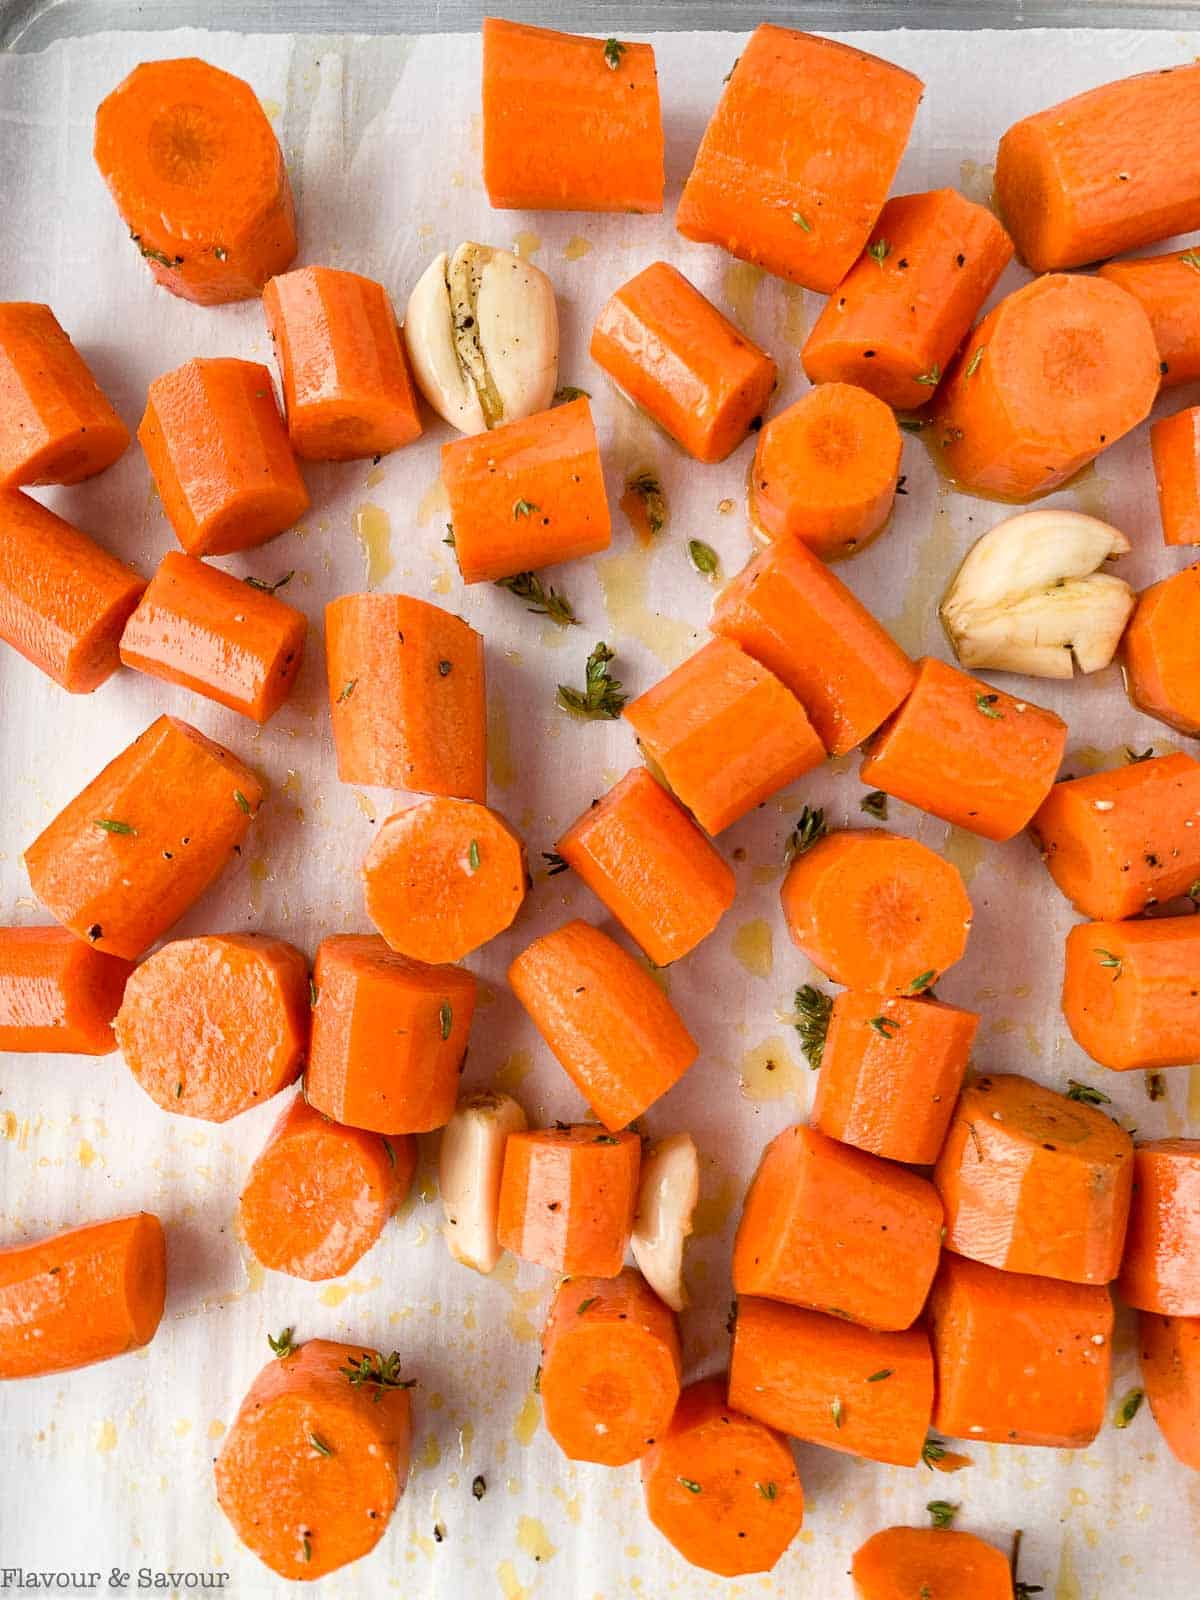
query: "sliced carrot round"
898, 1563
1162, 651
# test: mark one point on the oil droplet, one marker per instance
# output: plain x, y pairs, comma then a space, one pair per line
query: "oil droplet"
534, 1540
106, 1439
86, 1154
527, 1421
767, 872
576, 247
373, 530
1067, 1586
216, 1429
526, 244
272, 108
364, 805
501, 765
1091, 492
1079, 1497
572, 1505
183, 1427
513, 1071
623, 583
918, 613
510, 1585
9, 1125
431, 1453
713, 1208
291, 784
768, 1072
976, 179
466, 1437
375, 477
741, 286
336, 1293
434, 499
965, 851
1193, 1100
255, 1276
795, 315
753, 947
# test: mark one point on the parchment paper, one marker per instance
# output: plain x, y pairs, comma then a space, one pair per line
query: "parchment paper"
111, 1467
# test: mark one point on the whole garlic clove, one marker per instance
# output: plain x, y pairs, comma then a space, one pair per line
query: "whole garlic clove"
667, 1196
469, 1168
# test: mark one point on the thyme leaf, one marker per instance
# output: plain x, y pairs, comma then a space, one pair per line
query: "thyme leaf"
601, 695
813, 1008
543, 600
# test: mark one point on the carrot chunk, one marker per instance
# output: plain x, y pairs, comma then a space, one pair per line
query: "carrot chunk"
1161, 1269
569, 123
721, 1487
898, 1563
799, 155
406, 695
674, 354
144, 840
725, 733
212, 1026
1165, 287
1161, 651
1130, 994
316, 1458
319, 1195
826, 469
897, 317
1170, 1351
610, 1026
527, 494
57, 994
364, 993
832, 1383
876, 911
81, 1296
1018, 1359
638, 850
198, 178
220, 457
1175, 449
56, 423
970, 754
610, 1368
568, 1196
813, 1226
891, 1069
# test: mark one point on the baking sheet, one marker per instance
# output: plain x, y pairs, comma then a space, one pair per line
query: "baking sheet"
109, 1470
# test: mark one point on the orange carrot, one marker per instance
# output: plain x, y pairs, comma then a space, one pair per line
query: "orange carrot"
673, 353
1161, 651
970, 754
813, 1225
442, 878
1175, 449
212, 1026
81, 1296
899, 1563
1018, 1359
1165, 287
642, 855
801, 622
220, 457
897, 317
610, 1368
799, 155
722, 1488
63, 599
1059, 370
569, 123
1170, 1350
1034, 1182
527, 494
826, 469
567, 1197
725, 733
1130, 994
1161, 1269
205, 630
827, 1381
319, 1195
406, 695
198, 178
365, 993
139, 844
57, 994
891, 1069
877, 911
56, 423
610, 1026
317, 1456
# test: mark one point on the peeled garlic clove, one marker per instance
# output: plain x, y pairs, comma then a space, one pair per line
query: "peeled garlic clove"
667, 1196
471, 1159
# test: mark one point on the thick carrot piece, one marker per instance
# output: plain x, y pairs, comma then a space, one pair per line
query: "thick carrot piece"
81, 1296
827, 1381
1033, 1182
365, 993
1161, 1269
1161, 651
1170, 1352
721, 1487
725, 733
826, 469
569, 123
877, 911
610, 1368
1130, 994
442, 878
406, 695
316, 1458
56, 423
798, 157
900, 1563
813, 1228
57, 994
1165, 287
199, 179
638, 850
800, 621
208, 631
894, 322
612, 1029
1116, 842
63, 599
1108, 170
673, 353
891, 1069
568, 1196
1062, 368
1175, 450
212, 1026
527, 494
143, 841
970, 754
220, 458
1019, 1359
319, 1195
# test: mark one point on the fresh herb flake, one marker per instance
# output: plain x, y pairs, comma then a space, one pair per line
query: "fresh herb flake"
985, 704
271, 588
768, 1490
1107, 959
886, 1027
569, 392
524, 508
930, 379
445, 1018
648, 490
554, 863
703, 557
241, 802
347, 690
376, 1372
837, 1410
922, 981
282, 1345
319, 1445
613, 51
690, 1485
1086, 1095
585, 1305
542, 599
601, 696
942, 1512
812, 1009
879, 250
810, 828
1129, 1408
878, 1377
473, 855
875, 805
801, 221
973, 364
